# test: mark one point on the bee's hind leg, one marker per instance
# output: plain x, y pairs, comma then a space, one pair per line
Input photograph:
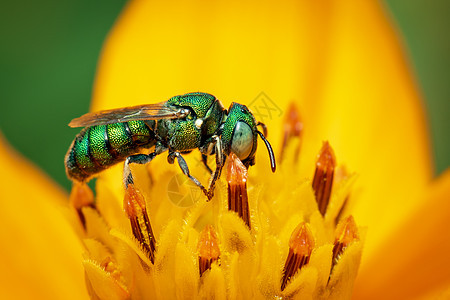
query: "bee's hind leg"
184, 167
135, 159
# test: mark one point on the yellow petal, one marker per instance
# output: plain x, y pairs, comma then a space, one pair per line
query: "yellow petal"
102, 284
165, 260
302, 284
96, 251
235, 233
40, 251
372, 115
212, 285
96, 227
344, 273
136, 266
269, 278
320, 260
437, 294
186, 273
242, 274
416, 258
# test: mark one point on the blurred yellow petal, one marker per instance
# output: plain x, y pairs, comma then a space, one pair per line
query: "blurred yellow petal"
40, 252
372, 115
342, 63
416, 258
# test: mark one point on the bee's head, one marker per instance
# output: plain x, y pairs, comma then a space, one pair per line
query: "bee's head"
239, 134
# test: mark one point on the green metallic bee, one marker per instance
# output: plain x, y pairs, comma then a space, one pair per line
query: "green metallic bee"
179, 125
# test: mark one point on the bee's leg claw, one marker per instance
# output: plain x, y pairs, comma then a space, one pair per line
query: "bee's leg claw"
135, 159
185, 169
210, 194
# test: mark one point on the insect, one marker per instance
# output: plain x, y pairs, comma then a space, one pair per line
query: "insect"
178, 125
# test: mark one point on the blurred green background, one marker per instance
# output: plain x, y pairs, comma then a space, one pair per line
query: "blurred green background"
49, 50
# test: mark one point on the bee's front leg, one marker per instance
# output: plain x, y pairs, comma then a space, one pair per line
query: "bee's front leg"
184, 167
220, 161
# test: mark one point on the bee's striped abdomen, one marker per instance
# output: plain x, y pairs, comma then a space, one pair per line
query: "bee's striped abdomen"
99, 147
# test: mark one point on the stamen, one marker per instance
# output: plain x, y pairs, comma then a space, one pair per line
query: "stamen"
135, 208
237, 188
301, 245
323, 176
293, 127
81, 196
346, 233
208, 249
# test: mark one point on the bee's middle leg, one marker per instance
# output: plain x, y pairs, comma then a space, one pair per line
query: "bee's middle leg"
220, 161
135, 159
184, 167
205, 163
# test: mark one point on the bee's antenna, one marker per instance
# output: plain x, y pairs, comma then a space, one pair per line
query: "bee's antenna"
264, 127
269, 148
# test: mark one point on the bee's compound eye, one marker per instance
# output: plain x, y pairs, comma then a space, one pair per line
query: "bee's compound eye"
242, 142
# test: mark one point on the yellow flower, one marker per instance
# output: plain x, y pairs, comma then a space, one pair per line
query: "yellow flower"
340, 62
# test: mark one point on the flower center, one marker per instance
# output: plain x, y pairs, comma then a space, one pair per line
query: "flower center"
259, 237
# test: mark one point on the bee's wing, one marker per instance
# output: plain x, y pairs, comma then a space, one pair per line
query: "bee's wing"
141, 112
